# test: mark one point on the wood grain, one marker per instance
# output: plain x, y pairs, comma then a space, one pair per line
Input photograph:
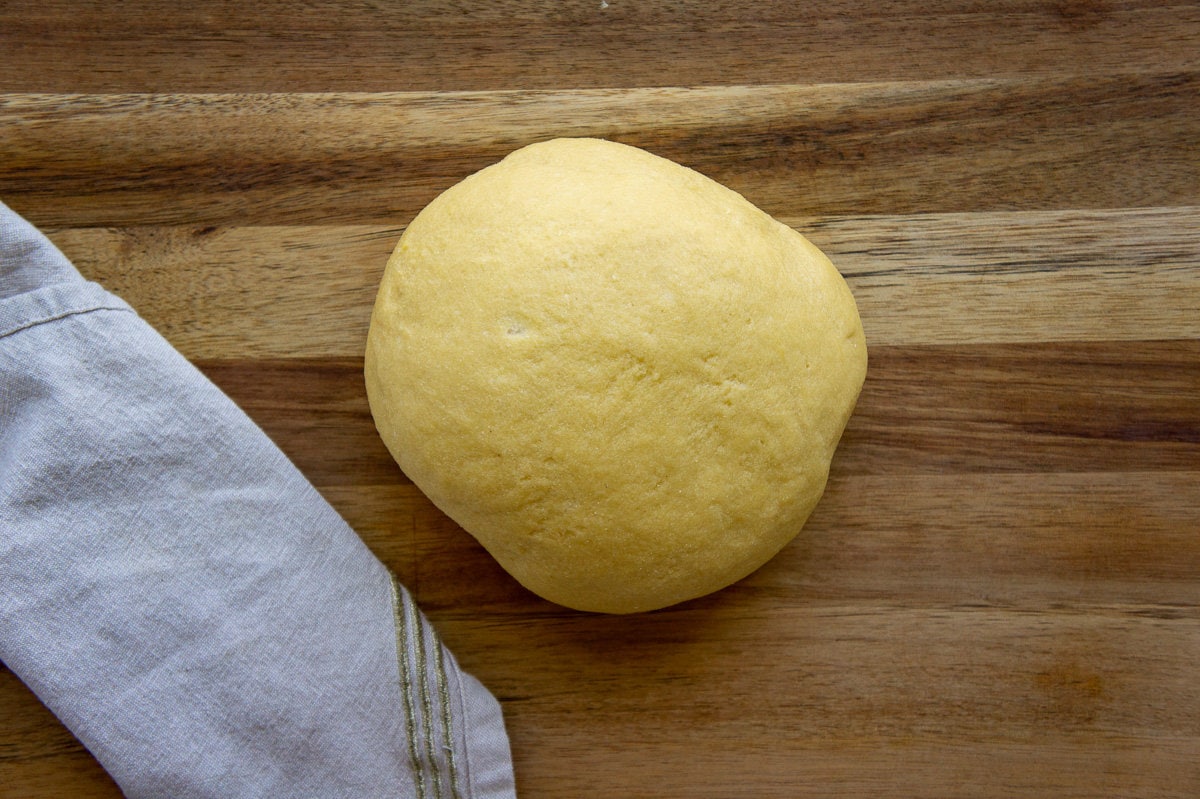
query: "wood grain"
1032, 408
157, 46
998, 596
973, 145
307, 291
949, 543
891, 148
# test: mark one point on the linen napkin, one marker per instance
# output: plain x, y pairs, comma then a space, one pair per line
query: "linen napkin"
177, 593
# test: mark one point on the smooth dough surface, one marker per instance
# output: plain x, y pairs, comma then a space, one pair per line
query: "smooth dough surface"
621, 377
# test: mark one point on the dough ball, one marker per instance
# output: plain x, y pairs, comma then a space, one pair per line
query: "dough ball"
622, 378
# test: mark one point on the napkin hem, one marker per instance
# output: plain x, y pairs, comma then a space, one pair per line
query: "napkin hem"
54, 302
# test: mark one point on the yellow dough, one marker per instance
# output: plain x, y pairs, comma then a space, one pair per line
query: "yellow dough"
622, 378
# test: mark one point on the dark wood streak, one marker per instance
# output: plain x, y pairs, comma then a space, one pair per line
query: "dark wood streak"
794, 150
1028, 408
152, 45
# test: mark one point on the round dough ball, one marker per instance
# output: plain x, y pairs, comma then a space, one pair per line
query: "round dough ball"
622, 378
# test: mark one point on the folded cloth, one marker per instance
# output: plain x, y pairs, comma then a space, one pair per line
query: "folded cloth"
177, 593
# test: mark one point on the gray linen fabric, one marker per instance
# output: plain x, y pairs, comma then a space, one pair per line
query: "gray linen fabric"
177, 593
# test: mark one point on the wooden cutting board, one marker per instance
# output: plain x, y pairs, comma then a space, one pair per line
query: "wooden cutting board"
1000, 592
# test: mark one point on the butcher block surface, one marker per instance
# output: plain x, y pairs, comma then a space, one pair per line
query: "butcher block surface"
998, 596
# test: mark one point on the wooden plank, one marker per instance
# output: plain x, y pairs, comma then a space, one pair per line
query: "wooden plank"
1019, 277
831, 673
155, 45
1095, 540
968, 701
1103, 540
307, 291
978, 145
1120, 539
665, 761
999, 409
1029, 407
